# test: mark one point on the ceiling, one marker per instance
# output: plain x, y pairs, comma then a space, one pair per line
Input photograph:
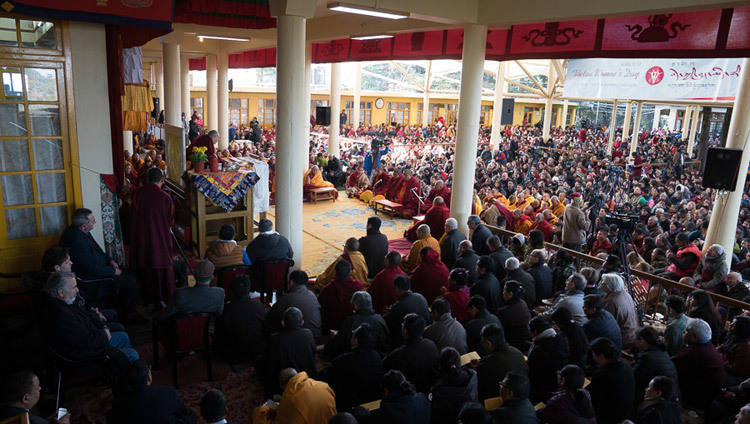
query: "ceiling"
424, 15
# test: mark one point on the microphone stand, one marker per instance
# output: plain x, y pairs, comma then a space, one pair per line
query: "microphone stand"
421, 202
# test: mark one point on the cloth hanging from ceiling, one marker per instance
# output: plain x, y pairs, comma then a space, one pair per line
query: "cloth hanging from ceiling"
248, 14
137, 104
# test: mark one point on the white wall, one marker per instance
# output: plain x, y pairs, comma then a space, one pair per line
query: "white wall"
89, 70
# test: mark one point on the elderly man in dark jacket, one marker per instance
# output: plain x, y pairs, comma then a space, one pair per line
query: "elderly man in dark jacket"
700, 367
514, 272
467, 259
479, 235
516, 407
407, 302
374, 247
499, 254
500, 359
542, 275
445, 330
487, 285
268, 244
363, 314
479, 317
299, 296
612, 385
449, 245
417, 358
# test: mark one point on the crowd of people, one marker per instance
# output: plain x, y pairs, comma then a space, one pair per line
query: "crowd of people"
559, 341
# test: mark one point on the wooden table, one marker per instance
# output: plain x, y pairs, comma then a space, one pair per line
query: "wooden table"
387, 207
241, 216
322, 193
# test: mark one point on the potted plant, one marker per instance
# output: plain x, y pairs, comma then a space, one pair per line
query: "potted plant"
199, 158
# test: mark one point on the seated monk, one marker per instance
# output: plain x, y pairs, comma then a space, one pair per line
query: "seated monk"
381, 181
354, 257
396, 179
407, 195
357, 182
314, 179
557, 208
523, 222
542, 225
413, 259
439, 190
430, 276
549, 217
304, 400
434, 218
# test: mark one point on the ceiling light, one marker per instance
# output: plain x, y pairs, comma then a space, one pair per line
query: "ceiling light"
216, 37
372, 37
365, 10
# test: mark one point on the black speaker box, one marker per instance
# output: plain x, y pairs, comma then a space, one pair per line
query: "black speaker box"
157, 109
722, 168
506, 115
322, 115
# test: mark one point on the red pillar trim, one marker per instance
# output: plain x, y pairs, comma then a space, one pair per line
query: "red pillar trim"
115, 91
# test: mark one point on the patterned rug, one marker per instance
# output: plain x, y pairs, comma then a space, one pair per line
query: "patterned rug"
327, 225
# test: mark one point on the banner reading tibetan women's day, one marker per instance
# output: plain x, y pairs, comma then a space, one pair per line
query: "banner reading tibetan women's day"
134, 13
653, 79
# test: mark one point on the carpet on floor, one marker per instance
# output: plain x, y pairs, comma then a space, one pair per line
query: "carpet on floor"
400, 245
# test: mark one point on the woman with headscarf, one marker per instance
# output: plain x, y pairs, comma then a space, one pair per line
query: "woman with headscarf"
700, 305
619, 303
515, 316
712, 269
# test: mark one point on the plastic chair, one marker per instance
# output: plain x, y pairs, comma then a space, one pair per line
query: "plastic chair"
225, 275
271, 275
183, 335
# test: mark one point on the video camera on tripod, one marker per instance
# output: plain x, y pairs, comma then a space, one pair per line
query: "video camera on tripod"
625, 221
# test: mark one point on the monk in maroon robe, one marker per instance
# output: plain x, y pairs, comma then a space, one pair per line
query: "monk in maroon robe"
407, 195
434, 218
510, 220
151, 239
381, 288
542, 225
440, 190
430, 276
335, 298
395, 185
206, 140
381, 182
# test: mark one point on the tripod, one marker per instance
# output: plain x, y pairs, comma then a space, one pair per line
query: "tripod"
621, 241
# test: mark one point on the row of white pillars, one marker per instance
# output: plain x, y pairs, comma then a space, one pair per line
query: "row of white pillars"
497, 109
335, 103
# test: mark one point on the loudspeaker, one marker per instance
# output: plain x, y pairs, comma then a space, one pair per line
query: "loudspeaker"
323, 115
155, 112
506, 114
722, 168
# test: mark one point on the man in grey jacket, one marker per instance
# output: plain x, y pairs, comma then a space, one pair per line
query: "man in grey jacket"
571, 299
575, 224
445, 330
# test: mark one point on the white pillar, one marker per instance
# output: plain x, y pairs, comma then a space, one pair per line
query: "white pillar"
548, 109
159, 76
547, 118
291, 146
693, 130
497, 107
355, 118
469, 103
212, 117
185, 80
426, 108
612, 128
626, 123
723, 222
127, 141
333, 130
172, 89
636, 129
308, 100
565, 115
223, 100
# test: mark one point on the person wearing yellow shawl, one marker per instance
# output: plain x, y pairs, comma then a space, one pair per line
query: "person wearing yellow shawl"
557, 208
352, 255
424, 238
304, 401
313, 178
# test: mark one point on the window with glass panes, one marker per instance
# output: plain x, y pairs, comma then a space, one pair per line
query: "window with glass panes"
432, 113
238, 113
316, 103
196, 105
485, 115
365, 112
35, 173
451, 114
398, 112
267, 111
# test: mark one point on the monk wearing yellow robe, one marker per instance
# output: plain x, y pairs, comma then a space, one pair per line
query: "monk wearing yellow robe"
410, 261
353, 256
313, 178
304, 401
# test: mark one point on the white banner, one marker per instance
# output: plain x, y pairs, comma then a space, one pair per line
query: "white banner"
653, 79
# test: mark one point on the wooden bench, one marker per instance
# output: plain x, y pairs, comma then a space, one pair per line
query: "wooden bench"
323, 193
387, 207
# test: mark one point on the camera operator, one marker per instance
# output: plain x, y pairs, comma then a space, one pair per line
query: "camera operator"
575, 224
372, 160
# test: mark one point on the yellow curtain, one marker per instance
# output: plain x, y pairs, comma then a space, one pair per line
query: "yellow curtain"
137, 104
